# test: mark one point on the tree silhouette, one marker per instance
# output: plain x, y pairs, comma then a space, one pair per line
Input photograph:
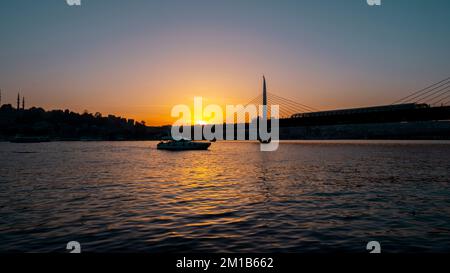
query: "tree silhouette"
68, 125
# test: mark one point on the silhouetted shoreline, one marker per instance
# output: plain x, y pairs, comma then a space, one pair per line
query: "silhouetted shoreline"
66, 125
39, 125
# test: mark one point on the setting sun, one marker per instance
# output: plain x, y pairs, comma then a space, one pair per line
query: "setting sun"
200, 122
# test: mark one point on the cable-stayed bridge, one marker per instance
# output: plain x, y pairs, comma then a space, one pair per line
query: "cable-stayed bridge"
436, 94
429, 103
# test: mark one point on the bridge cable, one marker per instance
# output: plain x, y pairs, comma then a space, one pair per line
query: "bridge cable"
296, 107
312, 109
421, 92
284, 111
433, 95
443, 99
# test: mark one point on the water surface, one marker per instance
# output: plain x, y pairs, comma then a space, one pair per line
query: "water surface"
306, 197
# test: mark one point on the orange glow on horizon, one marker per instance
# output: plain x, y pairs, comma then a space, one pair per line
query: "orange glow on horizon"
201, 122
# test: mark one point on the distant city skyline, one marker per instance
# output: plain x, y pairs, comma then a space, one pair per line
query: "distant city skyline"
138, 58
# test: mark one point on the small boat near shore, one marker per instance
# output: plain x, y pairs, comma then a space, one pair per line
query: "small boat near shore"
182, 145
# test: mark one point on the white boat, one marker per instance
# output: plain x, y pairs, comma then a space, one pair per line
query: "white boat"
182, 145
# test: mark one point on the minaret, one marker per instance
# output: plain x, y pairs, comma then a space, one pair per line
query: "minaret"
23, 103
0, 98
18, 101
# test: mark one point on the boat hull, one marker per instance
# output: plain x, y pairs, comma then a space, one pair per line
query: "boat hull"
183, 146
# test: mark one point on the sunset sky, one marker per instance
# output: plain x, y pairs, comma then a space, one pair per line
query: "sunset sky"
138, 58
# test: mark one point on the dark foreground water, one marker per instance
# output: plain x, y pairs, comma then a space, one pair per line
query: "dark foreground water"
307, 196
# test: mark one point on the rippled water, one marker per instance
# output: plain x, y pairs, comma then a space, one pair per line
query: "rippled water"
307, 196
